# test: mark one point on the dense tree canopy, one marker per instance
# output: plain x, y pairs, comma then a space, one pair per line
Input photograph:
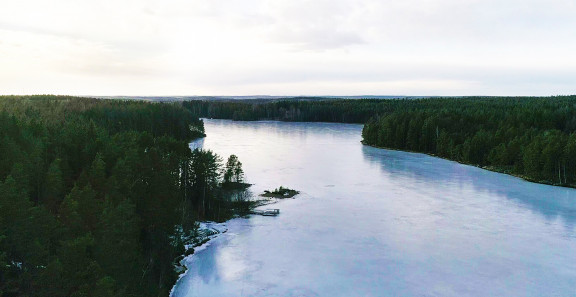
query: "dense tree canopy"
94, 193
296, 109
531, 137
91, 191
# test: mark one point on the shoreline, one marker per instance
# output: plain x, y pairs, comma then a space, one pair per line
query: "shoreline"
221, 228
488, 168
206, 242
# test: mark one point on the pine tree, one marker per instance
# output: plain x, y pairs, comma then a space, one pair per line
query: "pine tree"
54, 189
97, 175
233, 170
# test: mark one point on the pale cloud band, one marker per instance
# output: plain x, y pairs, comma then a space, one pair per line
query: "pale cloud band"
288, 47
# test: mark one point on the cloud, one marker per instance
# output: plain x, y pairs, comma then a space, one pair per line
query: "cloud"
288, 47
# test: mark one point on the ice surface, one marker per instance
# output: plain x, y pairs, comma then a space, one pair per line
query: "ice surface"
373, 222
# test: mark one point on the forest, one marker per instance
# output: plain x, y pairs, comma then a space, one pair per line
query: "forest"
534, 138
531, 137
95, 195
293, 109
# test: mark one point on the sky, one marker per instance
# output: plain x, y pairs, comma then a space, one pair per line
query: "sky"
288, 47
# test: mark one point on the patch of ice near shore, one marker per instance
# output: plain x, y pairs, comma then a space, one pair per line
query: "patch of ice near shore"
207, 232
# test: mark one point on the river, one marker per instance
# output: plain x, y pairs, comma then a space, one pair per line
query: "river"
374, 222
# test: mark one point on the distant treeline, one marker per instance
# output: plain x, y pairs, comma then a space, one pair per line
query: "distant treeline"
91, 193
528, 136
531, 137
295, 110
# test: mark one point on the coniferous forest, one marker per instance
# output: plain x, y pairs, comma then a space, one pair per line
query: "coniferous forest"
531, 137
293, 109
96, 194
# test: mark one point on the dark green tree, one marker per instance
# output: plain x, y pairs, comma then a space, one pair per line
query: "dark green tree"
54, 188
233, 172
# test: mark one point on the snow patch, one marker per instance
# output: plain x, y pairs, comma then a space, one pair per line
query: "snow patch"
206, 232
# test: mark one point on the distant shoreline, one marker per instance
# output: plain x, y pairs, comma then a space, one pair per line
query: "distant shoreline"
488, 168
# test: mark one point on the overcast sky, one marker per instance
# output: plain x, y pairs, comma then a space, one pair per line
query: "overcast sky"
288, 47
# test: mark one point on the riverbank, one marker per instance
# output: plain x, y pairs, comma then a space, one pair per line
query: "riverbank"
207, 232
489, 168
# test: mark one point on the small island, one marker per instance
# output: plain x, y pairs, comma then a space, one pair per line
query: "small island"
280, 192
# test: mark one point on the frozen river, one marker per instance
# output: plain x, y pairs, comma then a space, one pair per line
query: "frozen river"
373, 222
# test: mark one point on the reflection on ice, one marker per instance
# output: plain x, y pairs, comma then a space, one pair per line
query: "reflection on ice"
550, 201
373, 222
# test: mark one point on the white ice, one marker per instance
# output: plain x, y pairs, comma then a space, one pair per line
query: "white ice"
373, 222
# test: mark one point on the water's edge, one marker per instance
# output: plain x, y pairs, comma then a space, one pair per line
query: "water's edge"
488, 168
222, 228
